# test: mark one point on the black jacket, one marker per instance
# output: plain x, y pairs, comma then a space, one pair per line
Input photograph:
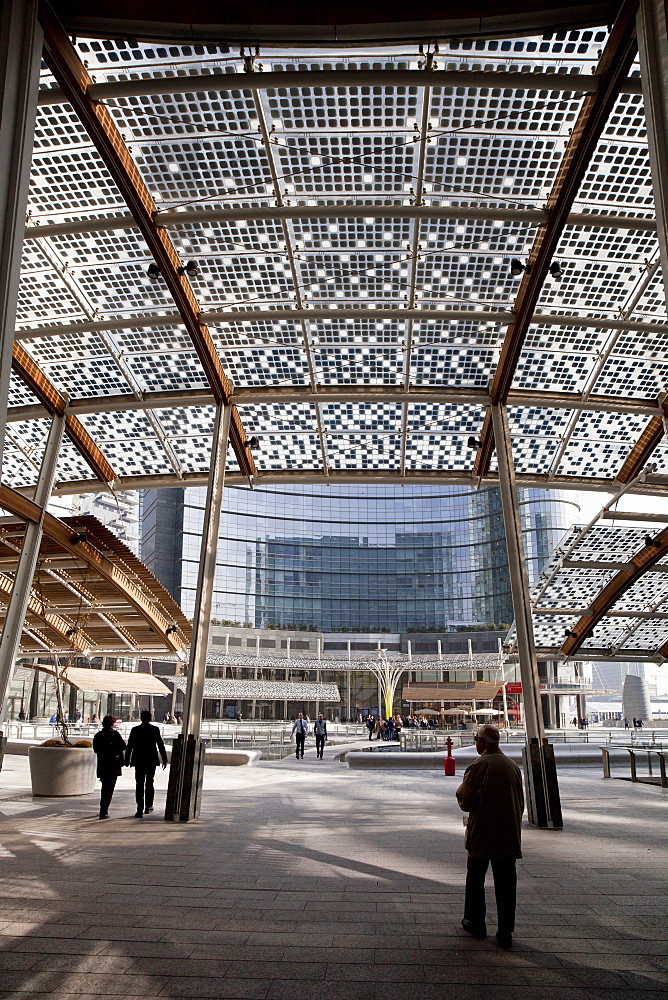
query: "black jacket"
109, 745
143, 745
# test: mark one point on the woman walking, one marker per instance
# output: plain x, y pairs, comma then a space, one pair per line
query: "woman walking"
109, 746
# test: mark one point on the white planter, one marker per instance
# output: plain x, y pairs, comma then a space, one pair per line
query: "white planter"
55, 771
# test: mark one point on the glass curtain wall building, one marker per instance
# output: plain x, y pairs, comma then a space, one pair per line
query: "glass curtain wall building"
342, 558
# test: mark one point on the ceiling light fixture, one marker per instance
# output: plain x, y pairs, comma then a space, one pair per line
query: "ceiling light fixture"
191, 269
153, 272
474, 444
555, 269
252, 442
517, 267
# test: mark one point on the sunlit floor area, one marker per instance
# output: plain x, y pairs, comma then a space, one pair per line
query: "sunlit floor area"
307, 879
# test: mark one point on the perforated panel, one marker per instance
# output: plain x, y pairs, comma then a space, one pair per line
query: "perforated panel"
627, 625
205, 149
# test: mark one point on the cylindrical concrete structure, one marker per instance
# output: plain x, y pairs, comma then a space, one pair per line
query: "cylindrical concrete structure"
635, 699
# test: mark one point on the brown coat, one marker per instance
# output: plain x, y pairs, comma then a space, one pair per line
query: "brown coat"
491, 793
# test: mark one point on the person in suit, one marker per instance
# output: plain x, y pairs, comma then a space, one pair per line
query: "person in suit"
300, 730
108, 745
320, 730
144, 745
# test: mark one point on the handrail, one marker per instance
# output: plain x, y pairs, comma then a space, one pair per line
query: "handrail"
661, 754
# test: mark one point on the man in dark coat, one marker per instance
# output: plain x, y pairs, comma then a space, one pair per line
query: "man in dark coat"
142, 753
491, 793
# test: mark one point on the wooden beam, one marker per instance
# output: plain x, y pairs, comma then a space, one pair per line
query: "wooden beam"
54, 402
612, 70
78, 640
642, 561
83, 551
73, 78
647, 443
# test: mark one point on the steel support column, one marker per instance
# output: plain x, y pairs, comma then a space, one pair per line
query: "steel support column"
543, 804
183, 797
25, 570
20, 53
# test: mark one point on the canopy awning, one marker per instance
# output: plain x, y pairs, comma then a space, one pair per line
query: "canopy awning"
469, 691
264, 690
108, 681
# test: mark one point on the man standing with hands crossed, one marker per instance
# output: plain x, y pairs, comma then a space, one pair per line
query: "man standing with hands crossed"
492, 794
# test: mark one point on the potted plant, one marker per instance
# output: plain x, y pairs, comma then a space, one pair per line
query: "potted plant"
58, 766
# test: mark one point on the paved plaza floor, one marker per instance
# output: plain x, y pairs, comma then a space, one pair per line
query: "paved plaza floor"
306, 879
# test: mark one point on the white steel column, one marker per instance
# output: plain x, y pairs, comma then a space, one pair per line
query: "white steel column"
652, 23
543, 804
20, 55
519, 581
192, 708
25, 570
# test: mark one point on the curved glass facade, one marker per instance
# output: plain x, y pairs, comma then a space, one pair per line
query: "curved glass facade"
343, 558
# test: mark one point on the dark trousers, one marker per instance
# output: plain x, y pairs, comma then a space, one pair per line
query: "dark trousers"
301, 740
319, 745
505, 890
144, 790
108, 785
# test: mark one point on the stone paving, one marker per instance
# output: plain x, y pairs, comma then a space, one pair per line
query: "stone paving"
307, 879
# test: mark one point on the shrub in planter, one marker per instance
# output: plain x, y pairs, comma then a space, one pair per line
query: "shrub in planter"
58, 768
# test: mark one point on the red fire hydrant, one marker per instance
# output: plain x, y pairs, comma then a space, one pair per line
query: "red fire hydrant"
449, 761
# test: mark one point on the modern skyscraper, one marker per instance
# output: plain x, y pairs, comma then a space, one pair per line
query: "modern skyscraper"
333, 558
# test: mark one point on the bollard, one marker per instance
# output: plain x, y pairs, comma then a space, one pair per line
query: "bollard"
449, 761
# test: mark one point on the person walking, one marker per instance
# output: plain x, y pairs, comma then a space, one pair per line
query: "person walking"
108, 745
492, 794
300, 731
320, 730
144, 745
371, 725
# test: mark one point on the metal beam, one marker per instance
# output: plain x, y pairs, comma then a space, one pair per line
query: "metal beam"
613, 69
220, 83
183, 800
253, 395
602, 564
543, 805
21, 587
73, 78
20, 50
656, 486
272, 313
56, 404
647, 557
528, 217
585, 612
622, 515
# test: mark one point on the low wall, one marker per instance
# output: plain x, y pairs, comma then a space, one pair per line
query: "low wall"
566, 755
216, 757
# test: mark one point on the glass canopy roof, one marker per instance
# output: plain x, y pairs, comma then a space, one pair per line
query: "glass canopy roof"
572, 591
353, 242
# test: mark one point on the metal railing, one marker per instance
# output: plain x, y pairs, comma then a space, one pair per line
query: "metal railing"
644, 764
